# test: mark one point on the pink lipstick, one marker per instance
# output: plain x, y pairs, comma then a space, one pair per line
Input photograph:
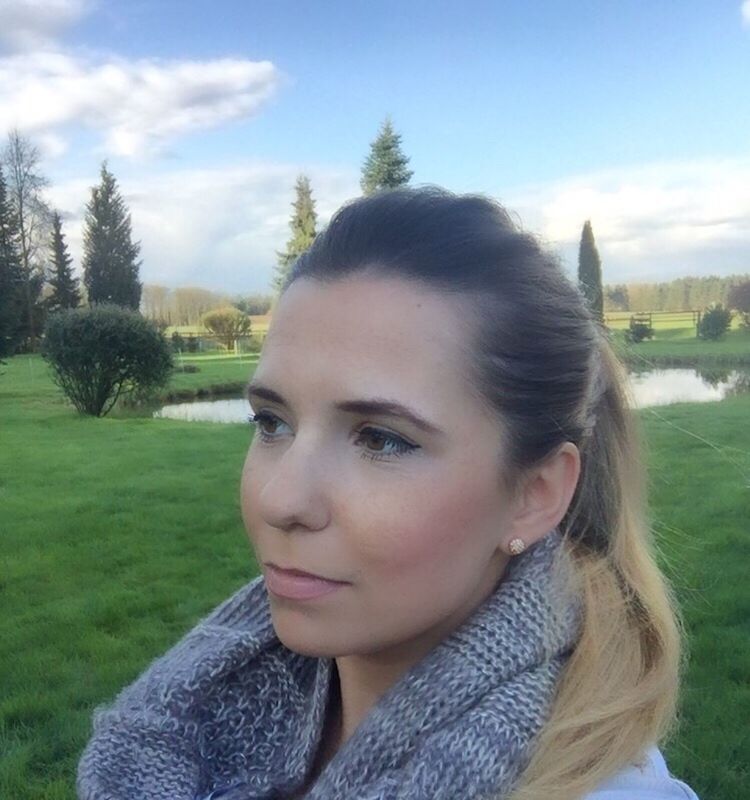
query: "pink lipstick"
293, 584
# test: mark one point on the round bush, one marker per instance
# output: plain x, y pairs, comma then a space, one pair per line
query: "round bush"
715, 322
101, 353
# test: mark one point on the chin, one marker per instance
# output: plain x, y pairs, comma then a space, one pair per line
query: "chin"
301, 637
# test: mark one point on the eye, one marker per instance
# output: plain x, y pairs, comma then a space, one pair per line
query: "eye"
268, 425
378, 444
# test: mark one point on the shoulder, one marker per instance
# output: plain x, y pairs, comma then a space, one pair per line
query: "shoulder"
650, 779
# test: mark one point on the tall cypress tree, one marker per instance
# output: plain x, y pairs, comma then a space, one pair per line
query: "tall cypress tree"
110, 265
302, 225
386, 165
590, 271
65, 292
12, 305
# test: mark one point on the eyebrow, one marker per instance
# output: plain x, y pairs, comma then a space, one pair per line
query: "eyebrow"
375, 405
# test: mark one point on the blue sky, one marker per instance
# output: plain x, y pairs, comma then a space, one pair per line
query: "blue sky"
634, 115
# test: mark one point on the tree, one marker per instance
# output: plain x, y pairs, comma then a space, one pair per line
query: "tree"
98, 354
110, 265
616, 298
739, 300
590, 271
254, 304
65, 292
302, 225
386, 165
228, 324
11, 278
155, 302
191, 303
25, 186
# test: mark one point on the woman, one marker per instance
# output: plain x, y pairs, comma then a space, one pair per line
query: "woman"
459, 597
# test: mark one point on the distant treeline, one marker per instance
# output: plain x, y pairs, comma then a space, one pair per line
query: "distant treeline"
681, 294
187, 304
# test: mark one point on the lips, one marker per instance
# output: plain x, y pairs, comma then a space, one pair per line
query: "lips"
295, 584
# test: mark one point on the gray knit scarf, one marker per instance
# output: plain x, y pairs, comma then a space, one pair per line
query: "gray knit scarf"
231, 713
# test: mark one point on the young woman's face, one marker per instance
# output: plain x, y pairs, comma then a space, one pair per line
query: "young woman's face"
374, 465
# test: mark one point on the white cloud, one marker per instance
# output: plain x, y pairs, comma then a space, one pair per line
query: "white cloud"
745, 11
651, 222
218, 228
36, 23
137, 106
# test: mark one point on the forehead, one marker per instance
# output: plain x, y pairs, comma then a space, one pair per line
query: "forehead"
369, 334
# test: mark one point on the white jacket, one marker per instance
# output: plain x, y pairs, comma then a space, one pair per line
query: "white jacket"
648, 781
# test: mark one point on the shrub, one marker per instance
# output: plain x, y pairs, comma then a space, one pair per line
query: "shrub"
101, 353
714, 322
638, 331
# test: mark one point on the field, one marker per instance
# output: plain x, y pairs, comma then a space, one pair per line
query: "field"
120, 533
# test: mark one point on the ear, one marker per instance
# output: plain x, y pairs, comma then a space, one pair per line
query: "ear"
544, 496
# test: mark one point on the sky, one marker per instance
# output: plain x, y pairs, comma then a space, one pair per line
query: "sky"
633, 115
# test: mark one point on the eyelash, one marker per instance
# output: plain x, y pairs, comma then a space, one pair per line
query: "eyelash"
400, 446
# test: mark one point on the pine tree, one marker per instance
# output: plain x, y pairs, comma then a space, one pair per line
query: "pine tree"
65, 292
386, 165
110, 268
302, 224
11, 277
590, 271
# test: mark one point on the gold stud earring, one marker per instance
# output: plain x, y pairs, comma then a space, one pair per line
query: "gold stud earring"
517, 546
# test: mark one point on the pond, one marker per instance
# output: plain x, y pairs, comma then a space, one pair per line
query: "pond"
653, 388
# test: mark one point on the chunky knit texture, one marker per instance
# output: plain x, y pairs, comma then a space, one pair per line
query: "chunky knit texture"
230, 708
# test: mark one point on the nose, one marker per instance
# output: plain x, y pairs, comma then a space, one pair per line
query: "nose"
292, 491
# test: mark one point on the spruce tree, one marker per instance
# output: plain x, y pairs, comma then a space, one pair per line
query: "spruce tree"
386, 165
65, 292
590, 272
12, 305
302, 225
110, 265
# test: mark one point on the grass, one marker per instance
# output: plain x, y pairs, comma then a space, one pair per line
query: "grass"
680, 347
120, 533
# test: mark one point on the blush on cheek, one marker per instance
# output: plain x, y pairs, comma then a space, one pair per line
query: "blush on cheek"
433, 539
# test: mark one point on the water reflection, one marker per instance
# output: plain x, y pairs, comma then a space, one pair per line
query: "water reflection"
653, 388
207, 411
661, 387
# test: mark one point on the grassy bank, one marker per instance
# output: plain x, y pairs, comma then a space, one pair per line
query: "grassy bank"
679, 347
119, 534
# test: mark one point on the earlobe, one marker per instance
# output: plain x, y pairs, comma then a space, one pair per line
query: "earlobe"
544, 498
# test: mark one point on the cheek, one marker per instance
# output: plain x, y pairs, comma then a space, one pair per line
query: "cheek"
436, 529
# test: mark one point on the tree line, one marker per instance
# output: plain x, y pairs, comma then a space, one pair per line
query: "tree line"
681, 294
36, 272
36, 275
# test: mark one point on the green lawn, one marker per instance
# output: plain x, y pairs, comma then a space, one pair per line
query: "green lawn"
675, 343
120, 533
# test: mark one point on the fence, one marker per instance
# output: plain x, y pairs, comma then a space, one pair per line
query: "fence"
655, 319
212, 342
